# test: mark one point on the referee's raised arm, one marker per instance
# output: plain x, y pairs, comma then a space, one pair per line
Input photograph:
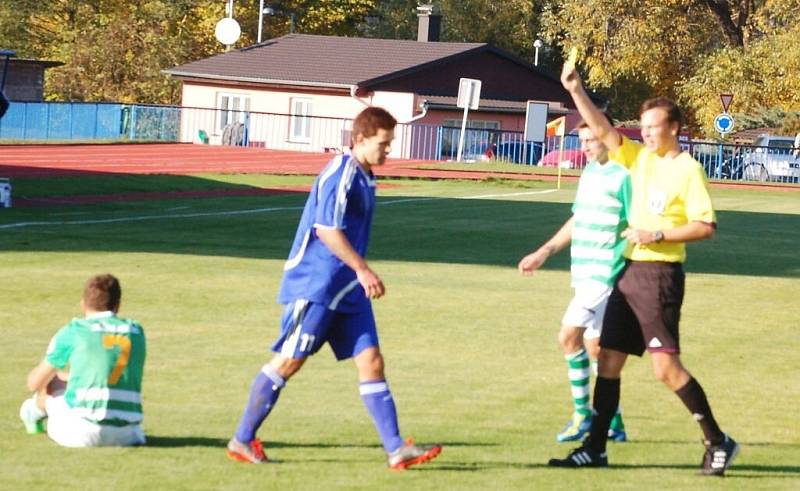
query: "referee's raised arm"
590, 113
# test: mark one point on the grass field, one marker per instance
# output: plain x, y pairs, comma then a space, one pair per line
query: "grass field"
470, 345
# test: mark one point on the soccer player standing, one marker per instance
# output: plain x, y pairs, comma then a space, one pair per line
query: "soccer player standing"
101, 403
600, 215
671, 206
326, 289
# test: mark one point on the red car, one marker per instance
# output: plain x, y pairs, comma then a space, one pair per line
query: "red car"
571, 159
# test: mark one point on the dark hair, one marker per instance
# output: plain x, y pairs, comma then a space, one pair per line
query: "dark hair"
583, 124
102, 292
370, 120
673, 111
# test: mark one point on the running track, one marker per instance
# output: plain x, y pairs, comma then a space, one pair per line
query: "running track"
187, 158
181, 159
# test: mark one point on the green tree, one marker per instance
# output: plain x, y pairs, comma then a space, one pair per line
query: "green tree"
329, 17
115, 50
632, 50
511, 25
765, 76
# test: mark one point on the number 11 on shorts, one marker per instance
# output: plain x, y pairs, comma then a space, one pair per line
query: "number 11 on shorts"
307, 342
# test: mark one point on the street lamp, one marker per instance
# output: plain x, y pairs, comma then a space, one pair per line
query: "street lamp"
261, 12
271, 12
536, 45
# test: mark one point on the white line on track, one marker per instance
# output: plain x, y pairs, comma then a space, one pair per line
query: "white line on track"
242, 212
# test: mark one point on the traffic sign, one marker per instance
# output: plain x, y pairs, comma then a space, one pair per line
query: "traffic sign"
726, 100
469, 96
723, 123
469, 93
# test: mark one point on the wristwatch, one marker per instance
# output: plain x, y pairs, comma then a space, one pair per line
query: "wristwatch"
658, 236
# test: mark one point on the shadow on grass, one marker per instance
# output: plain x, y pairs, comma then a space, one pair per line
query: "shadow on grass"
202, 441
184, 441
735, 472
744, 444
406, 228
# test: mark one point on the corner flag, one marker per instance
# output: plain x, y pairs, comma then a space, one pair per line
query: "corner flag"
556, 127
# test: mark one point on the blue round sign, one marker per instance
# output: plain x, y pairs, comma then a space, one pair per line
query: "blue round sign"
723, 123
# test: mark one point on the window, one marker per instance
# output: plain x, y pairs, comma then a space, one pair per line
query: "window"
473, 124
476, 138
232, 108
300, 121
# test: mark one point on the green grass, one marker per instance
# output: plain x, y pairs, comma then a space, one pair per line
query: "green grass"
470, 345
500, 166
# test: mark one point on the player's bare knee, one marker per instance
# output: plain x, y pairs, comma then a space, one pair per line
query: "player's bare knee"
570, 339
661, 372
370, 365
666, 373
593, 348
286, 367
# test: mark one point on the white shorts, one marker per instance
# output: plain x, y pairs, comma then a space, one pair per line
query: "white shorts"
68, 429
587, 308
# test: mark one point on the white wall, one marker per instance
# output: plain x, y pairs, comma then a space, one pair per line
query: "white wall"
274, 130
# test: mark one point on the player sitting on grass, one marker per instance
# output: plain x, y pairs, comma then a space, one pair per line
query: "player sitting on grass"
326, 289
594, 233
100, 403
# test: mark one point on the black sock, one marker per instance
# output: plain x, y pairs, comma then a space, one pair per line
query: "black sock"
695, 400
606, 400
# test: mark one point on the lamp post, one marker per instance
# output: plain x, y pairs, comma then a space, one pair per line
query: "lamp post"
271, 12
260, 18
536, 45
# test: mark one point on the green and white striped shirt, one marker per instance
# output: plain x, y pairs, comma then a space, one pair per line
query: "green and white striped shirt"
105, 356
601, 211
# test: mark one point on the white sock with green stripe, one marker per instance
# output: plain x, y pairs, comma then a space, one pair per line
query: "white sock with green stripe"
578, 374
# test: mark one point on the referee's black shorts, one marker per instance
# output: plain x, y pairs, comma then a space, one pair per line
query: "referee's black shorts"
644, 309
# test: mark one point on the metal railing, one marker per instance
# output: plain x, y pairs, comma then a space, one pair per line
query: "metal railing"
67, 121
60, 121
747, 162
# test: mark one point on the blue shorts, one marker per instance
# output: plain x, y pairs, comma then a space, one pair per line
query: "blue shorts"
306, 326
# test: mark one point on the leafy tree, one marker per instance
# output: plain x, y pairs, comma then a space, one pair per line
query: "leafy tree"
761, 77
396, 19
631, 50
115, 50
511, 25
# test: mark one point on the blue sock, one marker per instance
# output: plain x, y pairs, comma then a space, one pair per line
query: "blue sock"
263, 395
380, 404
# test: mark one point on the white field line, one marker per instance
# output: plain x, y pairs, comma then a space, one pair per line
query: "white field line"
239, 212
521, 193
151, 217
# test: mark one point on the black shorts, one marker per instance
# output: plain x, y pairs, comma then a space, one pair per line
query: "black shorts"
644, 309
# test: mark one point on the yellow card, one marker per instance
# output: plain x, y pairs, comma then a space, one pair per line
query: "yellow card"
572, 58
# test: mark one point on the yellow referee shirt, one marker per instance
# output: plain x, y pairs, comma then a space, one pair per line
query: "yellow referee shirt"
667, 193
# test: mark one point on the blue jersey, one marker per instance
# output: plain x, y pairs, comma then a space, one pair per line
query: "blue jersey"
342, 198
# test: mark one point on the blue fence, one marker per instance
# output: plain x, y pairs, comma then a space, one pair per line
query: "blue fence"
57, 121
89, 121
